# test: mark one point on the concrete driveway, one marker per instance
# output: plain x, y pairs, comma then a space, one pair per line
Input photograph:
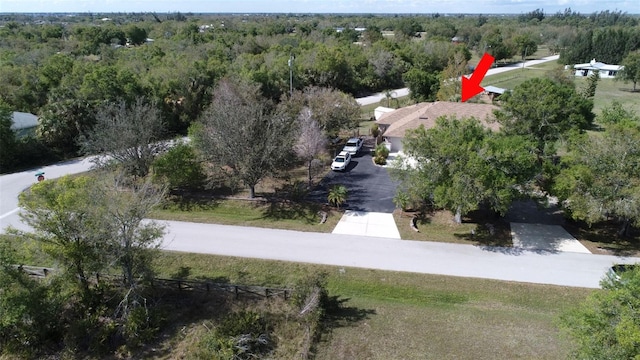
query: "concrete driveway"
370, 187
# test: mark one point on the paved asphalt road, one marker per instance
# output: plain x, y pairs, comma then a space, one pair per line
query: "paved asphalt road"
370, 187
562, 268
567, 269
375, 98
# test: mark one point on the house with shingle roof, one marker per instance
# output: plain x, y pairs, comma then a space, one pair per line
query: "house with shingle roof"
393, 125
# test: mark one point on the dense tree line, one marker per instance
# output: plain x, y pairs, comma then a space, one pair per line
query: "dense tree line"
64, 68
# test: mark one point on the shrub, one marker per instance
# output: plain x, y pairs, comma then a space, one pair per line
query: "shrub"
375, 130
337, 195
401, 200
241, 335
180, 168
379, 160
382, 151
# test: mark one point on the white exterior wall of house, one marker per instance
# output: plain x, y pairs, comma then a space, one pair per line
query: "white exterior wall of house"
396, 144
604, 74
605, 71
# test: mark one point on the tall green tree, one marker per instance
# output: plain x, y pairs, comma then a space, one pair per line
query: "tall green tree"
136, 35
544, 112
461, 165
241, 134
423, 85
63, 217
7, 140
93, 224
631, 71
602, 178
525, 45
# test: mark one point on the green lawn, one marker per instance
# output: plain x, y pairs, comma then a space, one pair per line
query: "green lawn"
281, 215
393, 315
607, 91
512, 78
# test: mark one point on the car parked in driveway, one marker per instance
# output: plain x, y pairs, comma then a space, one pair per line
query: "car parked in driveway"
341, 161
353, 145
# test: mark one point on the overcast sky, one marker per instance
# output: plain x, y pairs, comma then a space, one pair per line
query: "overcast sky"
320, 6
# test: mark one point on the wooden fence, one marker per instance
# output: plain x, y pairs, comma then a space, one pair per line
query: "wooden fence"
203, 286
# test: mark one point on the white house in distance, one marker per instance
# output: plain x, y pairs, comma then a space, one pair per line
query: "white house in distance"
604, 70
394, 124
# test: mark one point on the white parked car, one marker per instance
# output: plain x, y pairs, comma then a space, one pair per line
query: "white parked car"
341, 161
352, 146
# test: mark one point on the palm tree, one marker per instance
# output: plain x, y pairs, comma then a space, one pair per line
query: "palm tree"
337, 195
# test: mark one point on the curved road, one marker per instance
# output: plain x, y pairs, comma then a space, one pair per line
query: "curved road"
375, 98
566, 269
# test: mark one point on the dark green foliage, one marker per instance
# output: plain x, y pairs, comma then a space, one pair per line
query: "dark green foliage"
590, 88
615, 114
382, 151
241, 335
7, 141
180, 168
600, 179
495, 43
461, 165
423, 85
607, 44
136, 35
631, 71
29, 310
62, 122
337, 195
607, 324
544, 112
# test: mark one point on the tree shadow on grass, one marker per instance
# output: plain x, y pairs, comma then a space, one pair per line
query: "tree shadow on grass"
191, 200
491, 230
338, 314
284, 209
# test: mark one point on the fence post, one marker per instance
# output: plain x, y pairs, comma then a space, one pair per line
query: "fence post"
235, 288
266, 292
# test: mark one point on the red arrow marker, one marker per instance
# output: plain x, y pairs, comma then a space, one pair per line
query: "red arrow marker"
471, 86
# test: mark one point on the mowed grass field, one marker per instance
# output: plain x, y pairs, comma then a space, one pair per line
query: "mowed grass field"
607, 91
393, 315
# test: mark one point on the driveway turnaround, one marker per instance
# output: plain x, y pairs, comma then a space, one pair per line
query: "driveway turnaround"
539, 237
367, 224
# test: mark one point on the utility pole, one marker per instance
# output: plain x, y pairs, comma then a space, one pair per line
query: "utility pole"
291, 75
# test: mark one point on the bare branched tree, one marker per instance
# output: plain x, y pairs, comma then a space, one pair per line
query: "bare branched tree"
332, 109
311, 141
239, 133
127, 134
